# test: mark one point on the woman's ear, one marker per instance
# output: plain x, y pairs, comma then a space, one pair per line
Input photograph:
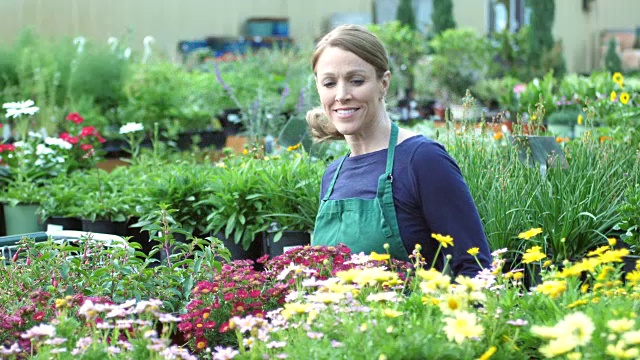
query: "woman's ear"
386, 79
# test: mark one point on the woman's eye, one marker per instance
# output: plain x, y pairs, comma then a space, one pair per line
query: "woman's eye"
328, 84
357, 81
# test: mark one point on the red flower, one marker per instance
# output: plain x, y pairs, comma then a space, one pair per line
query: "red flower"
38, 316
228, 296
224, 327
209, 324
201, 343
72, 140
185, 326
75, 118
86, 147
88, 131
7, 147
203, 287
239, 307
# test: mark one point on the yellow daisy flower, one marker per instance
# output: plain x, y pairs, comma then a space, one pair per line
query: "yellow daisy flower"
580, 119
613, 96
533, 254
380, 257
530, 233
624, 98
473, 251
618, 78
442, 239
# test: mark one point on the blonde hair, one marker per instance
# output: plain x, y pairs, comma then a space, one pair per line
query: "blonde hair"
321, 127
359, 41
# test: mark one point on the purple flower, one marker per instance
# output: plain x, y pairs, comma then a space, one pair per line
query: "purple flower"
518, 322
300, 104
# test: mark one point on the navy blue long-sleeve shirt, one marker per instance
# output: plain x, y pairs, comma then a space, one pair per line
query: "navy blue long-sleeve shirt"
430, 196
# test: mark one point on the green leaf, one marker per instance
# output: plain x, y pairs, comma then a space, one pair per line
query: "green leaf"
231, 222
197, 265
187, 285
64, 270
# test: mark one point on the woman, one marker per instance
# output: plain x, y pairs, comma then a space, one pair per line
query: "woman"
394, 186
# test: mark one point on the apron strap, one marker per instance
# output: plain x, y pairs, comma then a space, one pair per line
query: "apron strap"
391, 152
393, 139
384, 183
335, 177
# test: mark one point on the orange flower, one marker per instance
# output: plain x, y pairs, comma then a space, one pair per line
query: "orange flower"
559, 139
497, 136
604, 138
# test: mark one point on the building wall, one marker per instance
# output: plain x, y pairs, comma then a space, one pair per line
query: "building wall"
170, 21
472, 14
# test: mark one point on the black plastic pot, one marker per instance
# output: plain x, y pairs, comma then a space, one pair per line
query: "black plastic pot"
67, 223
289, 240
105, 227
207, 138
255, 250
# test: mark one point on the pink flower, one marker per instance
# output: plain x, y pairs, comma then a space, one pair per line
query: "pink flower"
75, 118
518, 89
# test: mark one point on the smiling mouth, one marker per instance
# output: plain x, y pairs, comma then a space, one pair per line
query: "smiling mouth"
346, 112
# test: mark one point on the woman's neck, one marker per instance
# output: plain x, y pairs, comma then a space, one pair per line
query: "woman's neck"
371, 139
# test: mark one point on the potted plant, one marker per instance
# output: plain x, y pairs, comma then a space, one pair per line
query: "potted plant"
180, 185
293, 180
58, 203
20, 205
108, 200
254, 197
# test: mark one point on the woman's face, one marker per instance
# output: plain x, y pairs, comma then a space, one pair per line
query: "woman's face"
350, 92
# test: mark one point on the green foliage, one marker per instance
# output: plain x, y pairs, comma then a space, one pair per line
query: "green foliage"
512, 54
461, 58
579, 204
612, 62
405, 47
544, 52
564, 117
180, 185
165, 93
251, 193
115, 270
442, 16
539, 91
266, 86
630, 217
541, 19
405, 14
99, 74
104, 196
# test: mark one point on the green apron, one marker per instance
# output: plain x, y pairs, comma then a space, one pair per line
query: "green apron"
364, 225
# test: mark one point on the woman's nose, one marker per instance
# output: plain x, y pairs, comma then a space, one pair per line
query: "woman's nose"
342, 93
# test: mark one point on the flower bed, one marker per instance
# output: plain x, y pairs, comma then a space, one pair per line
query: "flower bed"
324, 302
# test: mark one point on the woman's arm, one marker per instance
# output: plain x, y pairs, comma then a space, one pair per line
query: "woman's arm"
448, 207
